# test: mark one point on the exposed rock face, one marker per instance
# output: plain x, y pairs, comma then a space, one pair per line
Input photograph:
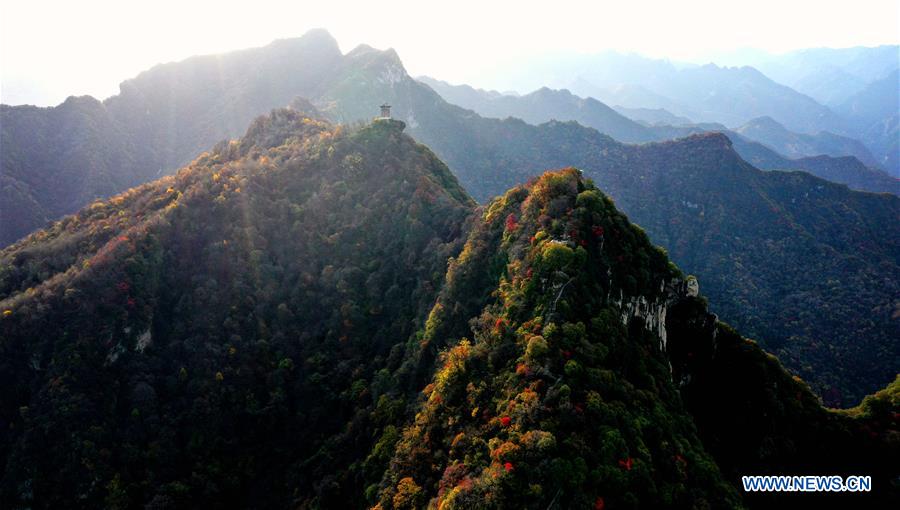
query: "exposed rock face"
143, 341
691, 330
692, 286
653, 311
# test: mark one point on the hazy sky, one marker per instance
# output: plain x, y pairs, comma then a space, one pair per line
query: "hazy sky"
49, 50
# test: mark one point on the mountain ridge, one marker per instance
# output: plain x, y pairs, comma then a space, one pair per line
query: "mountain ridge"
544, 105
261, 329
489, 156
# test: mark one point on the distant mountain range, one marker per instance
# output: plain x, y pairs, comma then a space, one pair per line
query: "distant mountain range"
653, 116
830, 76
545, 104
875, 112
767, 244
768, 131
734, 95
708, 93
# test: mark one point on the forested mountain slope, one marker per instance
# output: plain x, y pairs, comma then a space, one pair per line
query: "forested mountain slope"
720, 219
215, 338
281, 323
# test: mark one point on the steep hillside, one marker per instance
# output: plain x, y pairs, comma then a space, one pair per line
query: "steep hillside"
217, 338
541, 390
788, 258
553, 387
56, 160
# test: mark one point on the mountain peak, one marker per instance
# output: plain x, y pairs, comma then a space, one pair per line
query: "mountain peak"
385, 62
711, 139
364, 50
764, 122
316, 37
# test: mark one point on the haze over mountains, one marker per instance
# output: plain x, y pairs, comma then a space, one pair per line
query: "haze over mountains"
757, 141
736, 95
830, 76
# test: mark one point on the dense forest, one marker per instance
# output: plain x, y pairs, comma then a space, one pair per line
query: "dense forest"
218, 336
809, 268
321, 317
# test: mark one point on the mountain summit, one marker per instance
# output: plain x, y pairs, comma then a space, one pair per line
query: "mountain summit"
219, 336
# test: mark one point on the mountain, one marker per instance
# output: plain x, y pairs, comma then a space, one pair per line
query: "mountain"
858, 83
795, 145
736, 95
468, 96
312, 316
877, 101
708, 93
55, 160
210, 338
542, 105
809, 150
885, 136
806, 245
874, 111
790, 237
652, 116
831, 75
544, 386
167, 115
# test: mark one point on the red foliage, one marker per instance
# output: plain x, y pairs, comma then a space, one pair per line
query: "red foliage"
626, 463
505, 421
123, 286
508, 467
511, 222
454, 475
599, 504
131, 302
597, 230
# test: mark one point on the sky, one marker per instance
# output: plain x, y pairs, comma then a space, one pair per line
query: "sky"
50, 50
